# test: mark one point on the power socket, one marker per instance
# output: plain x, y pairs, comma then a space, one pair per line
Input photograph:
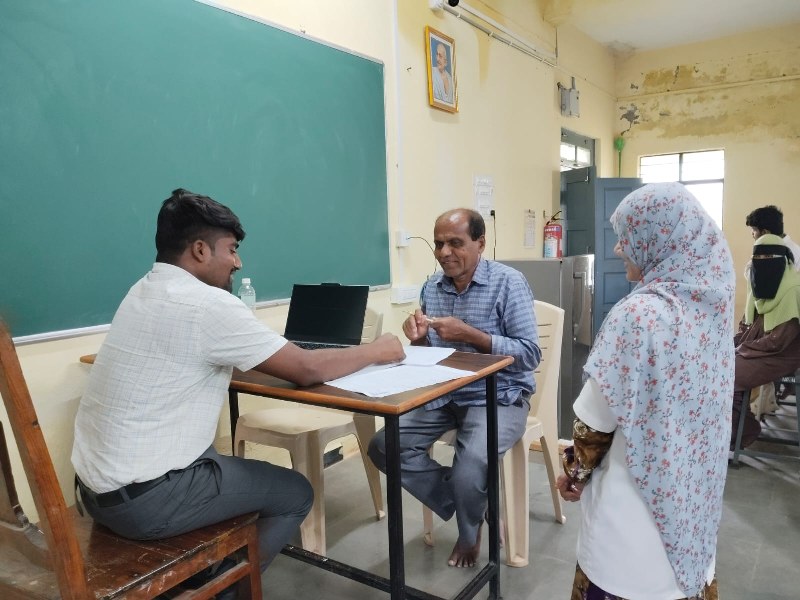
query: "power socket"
403, 294
401, 238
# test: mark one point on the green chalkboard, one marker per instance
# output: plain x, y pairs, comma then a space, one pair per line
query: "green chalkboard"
106, 106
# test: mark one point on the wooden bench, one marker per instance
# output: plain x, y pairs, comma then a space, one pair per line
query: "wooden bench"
71, 557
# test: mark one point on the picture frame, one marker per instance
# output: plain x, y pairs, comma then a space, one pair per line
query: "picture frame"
440, 54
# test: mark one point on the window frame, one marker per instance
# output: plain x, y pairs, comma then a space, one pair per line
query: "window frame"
577, 141
692, 182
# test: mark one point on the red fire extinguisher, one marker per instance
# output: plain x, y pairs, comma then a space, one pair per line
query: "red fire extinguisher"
552, 237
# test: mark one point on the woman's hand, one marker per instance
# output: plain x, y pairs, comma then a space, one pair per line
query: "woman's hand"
571, 492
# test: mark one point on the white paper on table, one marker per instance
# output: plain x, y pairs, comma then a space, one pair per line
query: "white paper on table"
378, 382
425, 355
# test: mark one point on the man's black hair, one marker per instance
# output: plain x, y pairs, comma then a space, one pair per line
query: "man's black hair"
477, 226
186, 217
768, 218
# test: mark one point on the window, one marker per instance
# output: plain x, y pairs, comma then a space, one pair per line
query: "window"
703, 174
577, 151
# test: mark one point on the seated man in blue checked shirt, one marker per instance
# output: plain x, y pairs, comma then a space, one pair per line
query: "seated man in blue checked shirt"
472, 305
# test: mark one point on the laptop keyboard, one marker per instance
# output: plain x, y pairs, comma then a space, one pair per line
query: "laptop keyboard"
317, 345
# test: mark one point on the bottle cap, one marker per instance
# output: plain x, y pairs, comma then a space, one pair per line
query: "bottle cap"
245, 281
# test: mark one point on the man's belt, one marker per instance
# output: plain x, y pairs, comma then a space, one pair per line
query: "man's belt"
115, 497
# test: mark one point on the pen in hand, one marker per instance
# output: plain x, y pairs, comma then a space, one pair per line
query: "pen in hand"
428, 319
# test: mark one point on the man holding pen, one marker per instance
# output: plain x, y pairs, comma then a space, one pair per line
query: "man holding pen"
472, 305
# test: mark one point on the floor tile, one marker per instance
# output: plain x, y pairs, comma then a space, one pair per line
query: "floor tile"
757, 552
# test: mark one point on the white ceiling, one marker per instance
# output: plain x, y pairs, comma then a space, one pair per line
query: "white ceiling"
637, 25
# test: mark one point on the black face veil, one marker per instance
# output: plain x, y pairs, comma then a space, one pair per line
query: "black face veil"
768, 267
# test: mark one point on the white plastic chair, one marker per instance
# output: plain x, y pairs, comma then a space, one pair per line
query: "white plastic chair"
305, 432
542, 427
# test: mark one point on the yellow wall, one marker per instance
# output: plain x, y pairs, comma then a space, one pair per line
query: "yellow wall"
740, 94
508, 127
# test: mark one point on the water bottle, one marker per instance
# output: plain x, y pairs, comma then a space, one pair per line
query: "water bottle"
247, 293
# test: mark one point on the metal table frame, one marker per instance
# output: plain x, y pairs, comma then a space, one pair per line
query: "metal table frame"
390, 408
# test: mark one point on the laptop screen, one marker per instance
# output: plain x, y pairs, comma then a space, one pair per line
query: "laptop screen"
327, 313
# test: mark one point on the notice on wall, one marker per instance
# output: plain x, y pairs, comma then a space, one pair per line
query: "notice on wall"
483, 191
529, 225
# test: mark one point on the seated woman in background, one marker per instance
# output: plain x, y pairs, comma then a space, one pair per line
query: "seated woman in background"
768, 342
650, 441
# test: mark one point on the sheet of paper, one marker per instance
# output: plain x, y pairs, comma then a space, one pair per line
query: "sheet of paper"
529, 224
376, 382
419, 356
425, 355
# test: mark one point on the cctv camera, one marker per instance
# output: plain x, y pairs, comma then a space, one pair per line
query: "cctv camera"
453, 2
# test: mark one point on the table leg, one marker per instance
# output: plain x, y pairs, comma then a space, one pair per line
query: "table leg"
394, 508
233, 406
493, 486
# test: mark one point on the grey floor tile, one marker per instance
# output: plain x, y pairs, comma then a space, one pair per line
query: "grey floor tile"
758, 547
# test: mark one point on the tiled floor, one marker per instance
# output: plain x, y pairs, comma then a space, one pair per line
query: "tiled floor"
758, 550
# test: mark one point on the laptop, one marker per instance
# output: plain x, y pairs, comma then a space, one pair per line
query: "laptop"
326, 315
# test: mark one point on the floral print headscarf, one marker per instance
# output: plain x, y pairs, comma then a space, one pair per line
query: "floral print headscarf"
664, 361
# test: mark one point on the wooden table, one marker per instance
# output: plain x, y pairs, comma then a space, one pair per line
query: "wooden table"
484, 366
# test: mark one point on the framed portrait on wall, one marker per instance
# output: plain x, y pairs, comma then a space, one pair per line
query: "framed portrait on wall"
440, 52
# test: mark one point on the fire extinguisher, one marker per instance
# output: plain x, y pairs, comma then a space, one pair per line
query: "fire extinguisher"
552, 237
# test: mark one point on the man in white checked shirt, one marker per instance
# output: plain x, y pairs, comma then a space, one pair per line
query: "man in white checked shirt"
143, 455
472, 305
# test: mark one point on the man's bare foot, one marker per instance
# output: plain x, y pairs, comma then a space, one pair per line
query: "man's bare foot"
466, 556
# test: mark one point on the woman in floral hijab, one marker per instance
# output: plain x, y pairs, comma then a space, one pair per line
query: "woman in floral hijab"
653, 420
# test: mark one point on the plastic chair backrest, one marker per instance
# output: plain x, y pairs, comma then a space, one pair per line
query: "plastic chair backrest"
550, 321
373, 325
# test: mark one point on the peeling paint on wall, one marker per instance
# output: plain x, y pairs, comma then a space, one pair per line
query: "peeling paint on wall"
752, 96
749, 68
746, 113
631, 115
740, 95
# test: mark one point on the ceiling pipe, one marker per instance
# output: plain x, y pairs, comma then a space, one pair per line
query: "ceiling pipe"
515, 40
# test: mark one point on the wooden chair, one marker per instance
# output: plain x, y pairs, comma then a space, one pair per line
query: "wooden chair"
305, 432
69, 556
774, 428
541, 433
